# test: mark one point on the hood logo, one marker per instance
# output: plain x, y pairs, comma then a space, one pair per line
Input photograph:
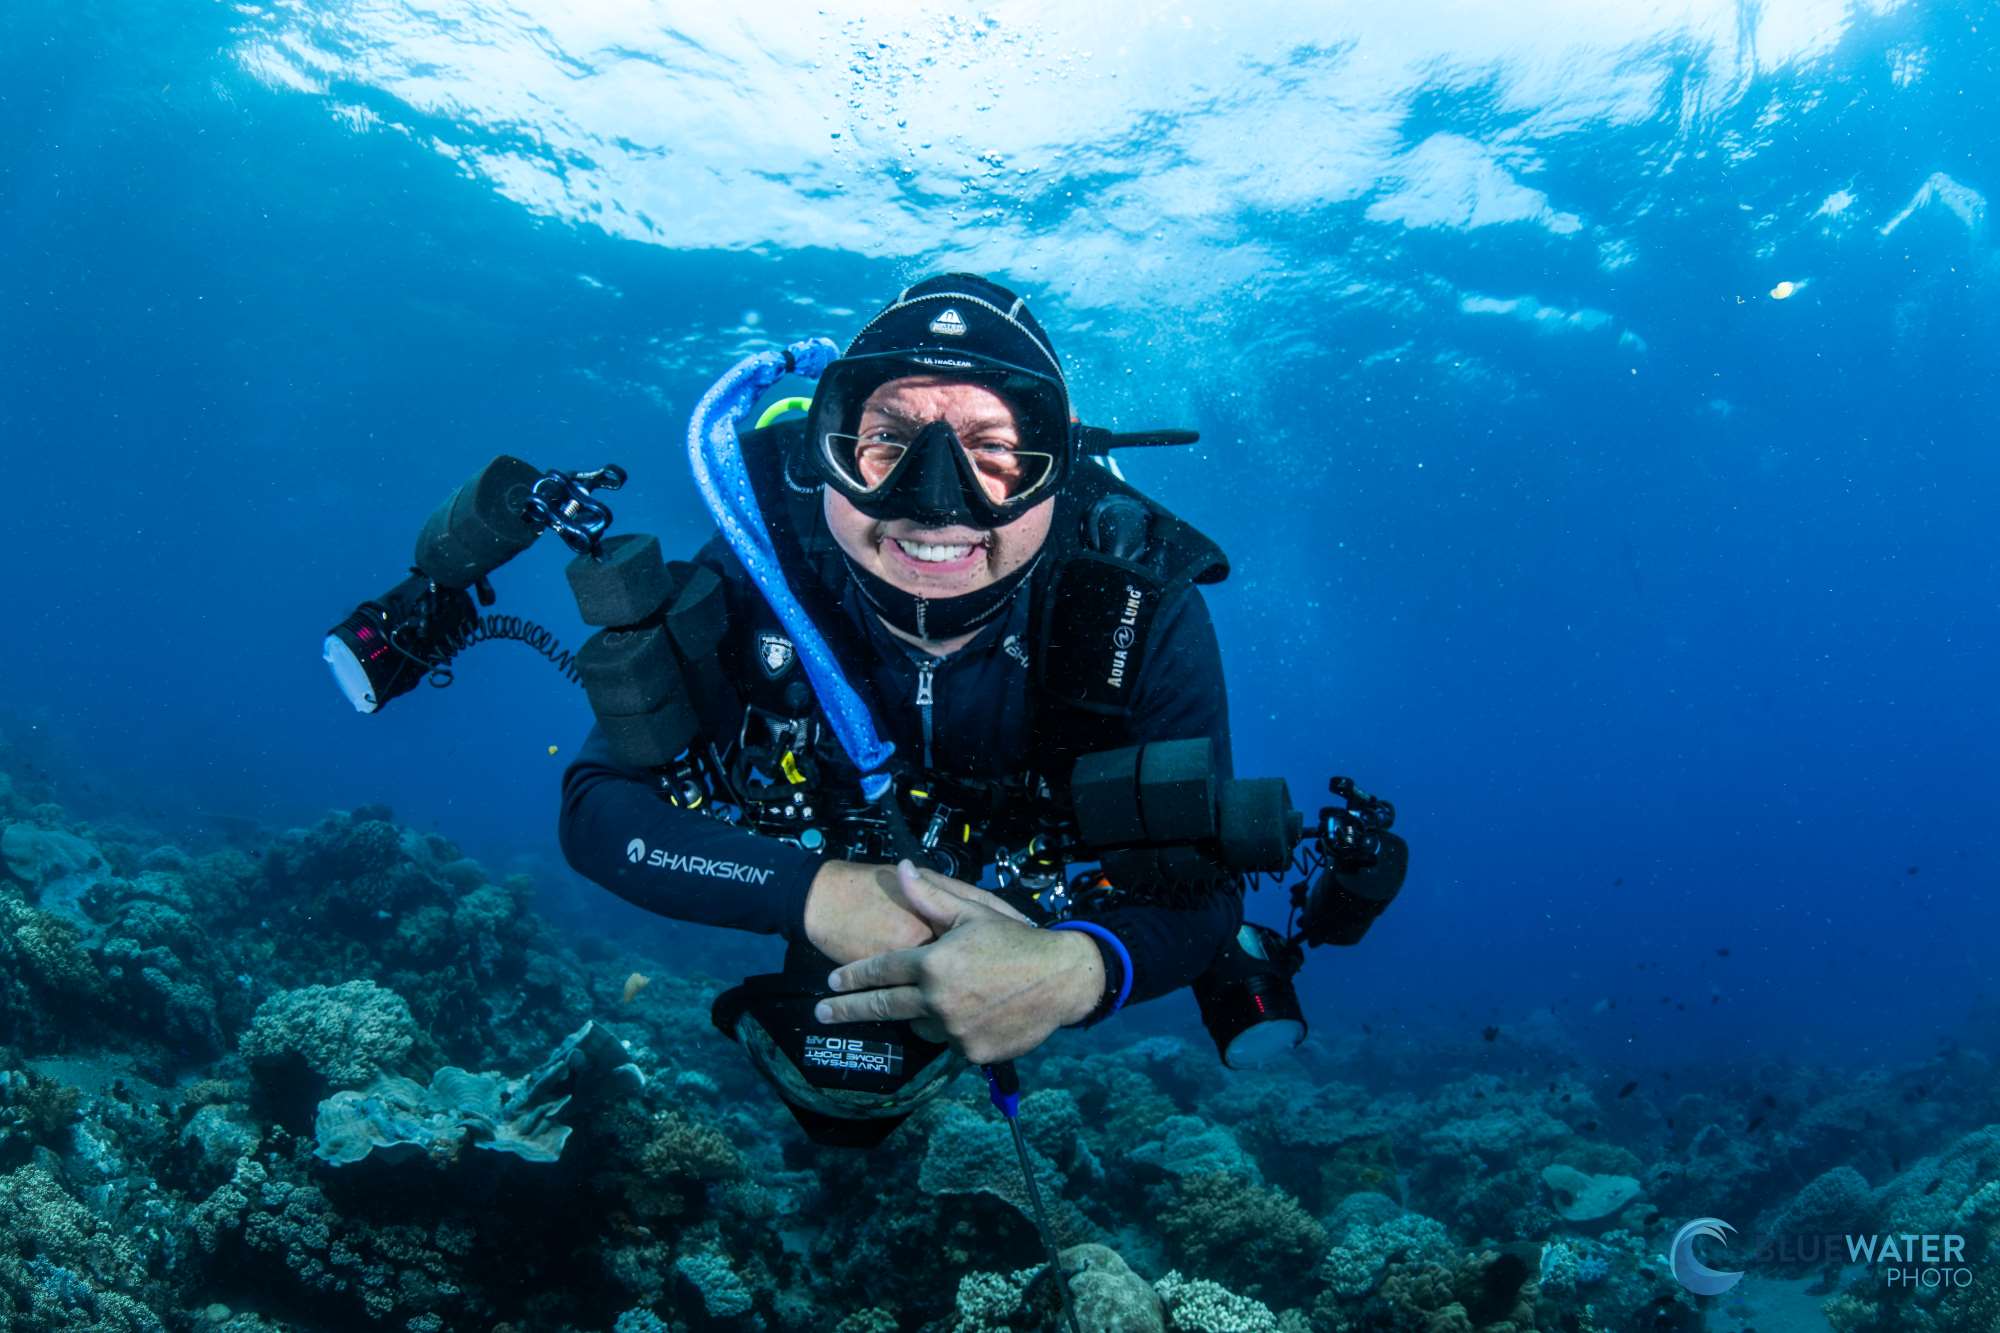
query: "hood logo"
1691, 1272
775, 653
635, 851
951, 324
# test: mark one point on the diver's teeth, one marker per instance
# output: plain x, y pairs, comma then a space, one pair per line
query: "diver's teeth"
934, 553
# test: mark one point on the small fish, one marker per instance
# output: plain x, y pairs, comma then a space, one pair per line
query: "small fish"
1670, 1122
1912, 870
1932, 1187
1618, 883
1770, 1102
1369, 1030
1588, 1127
1628, 1089
1722, 952
1489, 1033
635, 983
1755, 1122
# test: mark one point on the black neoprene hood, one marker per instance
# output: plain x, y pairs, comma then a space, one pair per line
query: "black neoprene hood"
991, 323
955, 323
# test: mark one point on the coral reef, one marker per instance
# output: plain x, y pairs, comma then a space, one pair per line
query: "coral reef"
234, 1097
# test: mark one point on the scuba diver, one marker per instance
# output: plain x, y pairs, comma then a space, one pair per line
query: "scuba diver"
939, 465
937, 634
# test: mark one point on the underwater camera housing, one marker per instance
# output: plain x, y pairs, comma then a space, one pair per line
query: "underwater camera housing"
1158, 814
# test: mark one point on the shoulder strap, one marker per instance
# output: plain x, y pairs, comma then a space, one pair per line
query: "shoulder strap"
1123, 559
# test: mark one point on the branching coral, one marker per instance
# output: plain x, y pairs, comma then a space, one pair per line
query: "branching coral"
62, 1267
1255, 1237
1373, 1232
1201, 1306
344, 1033
723, 1294
1189, 1146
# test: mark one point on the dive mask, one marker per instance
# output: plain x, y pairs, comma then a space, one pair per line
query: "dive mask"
956, 326
888, 467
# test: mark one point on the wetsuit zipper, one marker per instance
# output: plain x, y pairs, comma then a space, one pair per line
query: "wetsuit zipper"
924, 670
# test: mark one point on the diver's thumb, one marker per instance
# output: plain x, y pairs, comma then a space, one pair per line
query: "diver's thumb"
940, 909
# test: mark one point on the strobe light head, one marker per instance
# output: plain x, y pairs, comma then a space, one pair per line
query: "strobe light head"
1362, 868
1246, 998
385, 646
1343, 900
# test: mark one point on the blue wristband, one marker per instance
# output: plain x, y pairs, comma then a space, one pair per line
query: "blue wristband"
1117, 946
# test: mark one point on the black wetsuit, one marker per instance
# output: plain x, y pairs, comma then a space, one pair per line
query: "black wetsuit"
976, 727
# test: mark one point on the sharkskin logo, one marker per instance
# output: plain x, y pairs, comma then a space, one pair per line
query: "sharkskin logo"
1691, 1272
661, 859
950, 323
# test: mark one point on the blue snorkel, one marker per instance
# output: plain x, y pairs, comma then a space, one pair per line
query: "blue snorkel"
724, 482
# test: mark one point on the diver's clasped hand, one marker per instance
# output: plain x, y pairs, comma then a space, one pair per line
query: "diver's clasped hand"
994, 986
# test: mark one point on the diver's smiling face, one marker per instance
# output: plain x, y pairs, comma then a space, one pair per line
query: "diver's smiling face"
932, 561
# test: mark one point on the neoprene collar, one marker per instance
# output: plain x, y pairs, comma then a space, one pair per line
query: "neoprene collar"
935, 618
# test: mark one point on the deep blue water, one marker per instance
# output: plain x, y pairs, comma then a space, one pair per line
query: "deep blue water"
1663, 607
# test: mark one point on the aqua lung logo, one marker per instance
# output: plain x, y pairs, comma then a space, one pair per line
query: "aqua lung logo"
774, 653
661, 859
1691, 1272
951, 324
1124, 636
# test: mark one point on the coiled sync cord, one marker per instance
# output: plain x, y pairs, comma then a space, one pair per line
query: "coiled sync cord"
489, 627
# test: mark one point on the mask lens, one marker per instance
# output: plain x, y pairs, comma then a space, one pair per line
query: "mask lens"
1006, 473
1009, 474
866, 450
